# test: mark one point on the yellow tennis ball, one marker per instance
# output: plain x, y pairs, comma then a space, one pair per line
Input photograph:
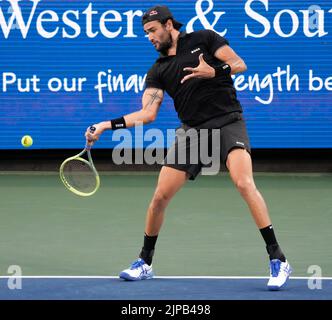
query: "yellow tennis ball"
27, 141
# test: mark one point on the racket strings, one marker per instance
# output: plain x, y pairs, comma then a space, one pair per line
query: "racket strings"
80, 176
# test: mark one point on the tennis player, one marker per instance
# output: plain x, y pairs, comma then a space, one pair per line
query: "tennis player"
195, 70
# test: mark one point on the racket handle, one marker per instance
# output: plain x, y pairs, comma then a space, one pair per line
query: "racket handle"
89, 144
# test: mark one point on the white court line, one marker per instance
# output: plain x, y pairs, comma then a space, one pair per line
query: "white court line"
158, 277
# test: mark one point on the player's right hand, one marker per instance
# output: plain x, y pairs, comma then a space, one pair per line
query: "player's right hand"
93, 136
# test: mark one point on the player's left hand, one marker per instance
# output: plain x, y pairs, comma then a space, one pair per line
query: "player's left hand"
203, 70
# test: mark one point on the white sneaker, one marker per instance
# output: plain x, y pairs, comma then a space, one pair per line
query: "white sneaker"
279, 274
139, 270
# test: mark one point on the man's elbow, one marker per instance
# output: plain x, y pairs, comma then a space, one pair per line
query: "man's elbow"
243, 66
238, 66
150, 117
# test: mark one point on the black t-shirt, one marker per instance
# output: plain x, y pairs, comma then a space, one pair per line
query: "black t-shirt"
196, 100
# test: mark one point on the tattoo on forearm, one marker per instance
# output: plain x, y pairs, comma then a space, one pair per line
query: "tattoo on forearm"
154, 97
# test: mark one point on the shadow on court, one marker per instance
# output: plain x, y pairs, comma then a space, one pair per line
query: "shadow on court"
160, 289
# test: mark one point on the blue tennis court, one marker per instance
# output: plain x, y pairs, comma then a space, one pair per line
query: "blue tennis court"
163, 288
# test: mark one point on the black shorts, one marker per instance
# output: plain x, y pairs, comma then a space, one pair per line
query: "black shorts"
197, 149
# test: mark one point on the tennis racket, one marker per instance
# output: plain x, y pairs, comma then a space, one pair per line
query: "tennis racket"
80, 175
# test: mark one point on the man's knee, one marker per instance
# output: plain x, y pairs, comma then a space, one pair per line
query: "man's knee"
245, 185
159, 201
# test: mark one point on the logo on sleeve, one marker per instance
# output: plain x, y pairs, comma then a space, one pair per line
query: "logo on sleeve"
195, 50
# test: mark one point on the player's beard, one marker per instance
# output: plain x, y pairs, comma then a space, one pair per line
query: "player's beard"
166, 44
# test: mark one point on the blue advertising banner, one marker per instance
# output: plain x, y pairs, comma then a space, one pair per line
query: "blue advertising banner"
67, 64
